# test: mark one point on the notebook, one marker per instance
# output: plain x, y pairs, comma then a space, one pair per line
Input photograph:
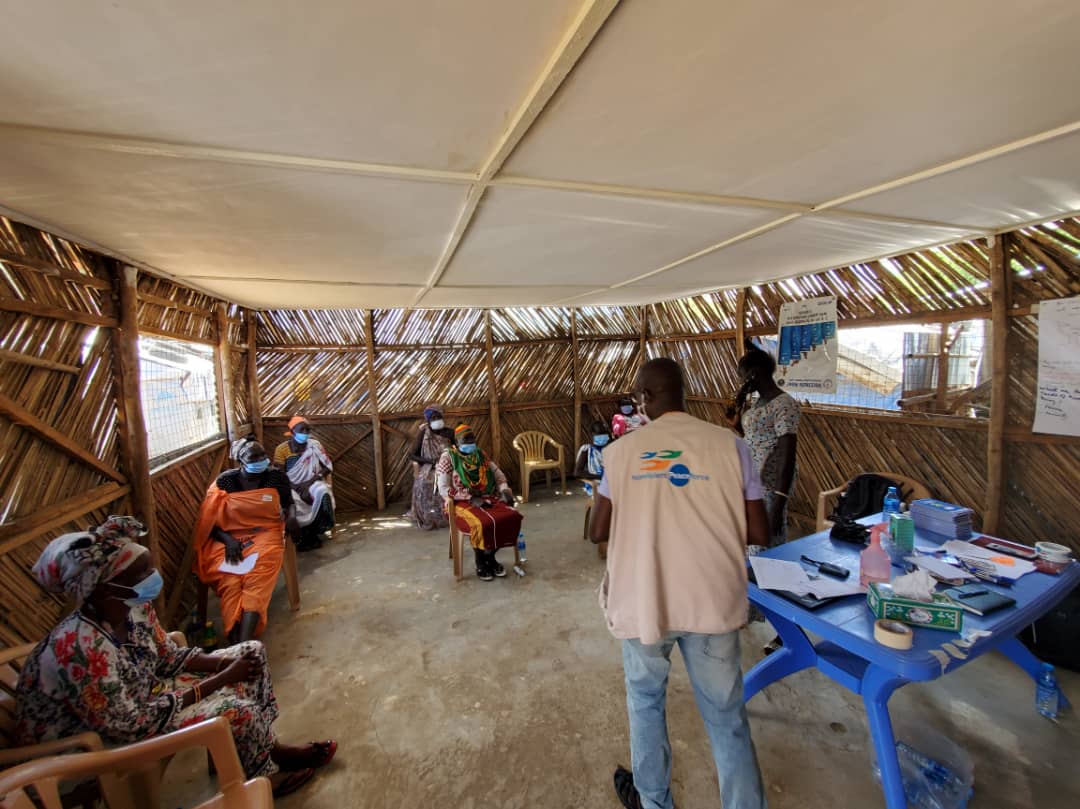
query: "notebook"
978, 598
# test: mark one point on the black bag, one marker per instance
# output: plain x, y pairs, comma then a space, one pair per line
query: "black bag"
864, 497
846, 529
1055, 637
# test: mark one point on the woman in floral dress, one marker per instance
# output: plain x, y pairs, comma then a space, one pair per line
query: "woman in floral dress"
110, 668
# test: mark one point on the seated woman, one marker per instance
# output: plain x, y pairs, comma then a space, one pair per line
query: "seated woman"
590, 464
245, 512
110, 668
627, 419
482, 498
432, 440
306, 463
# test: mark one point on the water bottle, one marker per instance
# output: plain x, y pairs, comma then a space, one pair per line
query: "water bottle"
891, 504
210, 638
521, 547
1047, 695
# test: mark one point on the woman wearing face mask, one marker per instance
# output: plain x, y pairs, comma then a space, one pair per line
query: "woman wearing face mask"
110, 668
482, 499
246, 512
307, 465
433, 439
628, 419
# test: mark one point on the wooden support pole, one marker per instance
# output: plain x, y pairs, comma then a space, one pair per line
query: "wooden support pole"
576, 370
740, 321
942, 369
7, 355
643, 344
999, 383
134, 451
373, 402
55, 312
493, 390
223, 371
254, 399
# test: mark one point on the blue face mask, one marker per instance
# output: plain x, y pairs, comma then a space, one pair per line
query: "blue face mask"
601, 440
145, 591
467, 449
300, 438
257, 467
627, 409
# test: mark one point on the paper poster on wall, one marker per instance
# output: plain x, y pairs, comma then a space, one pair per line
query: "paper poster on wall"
808, 346
1057, 394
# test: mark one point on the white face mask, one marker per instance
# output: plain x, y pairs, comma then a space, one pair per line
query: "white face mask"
438, 424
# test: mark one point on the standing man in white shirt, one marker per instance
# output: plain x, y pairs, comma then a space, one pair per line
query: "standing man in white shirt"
679, 502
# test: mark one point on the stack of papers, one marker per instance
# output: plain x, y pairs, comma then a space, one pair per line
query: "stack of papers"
1004, 567
939, 517
776, 574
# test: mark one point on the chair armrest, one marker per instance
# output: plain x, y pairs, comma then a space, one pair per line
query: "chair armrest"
822, 500
558, 447
88, 742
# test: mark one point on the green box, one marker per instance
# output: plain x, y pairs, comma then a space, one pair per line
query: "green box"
942, 613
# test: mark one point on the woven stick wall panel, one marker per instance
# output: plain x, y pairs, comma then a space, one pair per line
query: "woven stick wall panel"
534, 373
607, 367
198, 325
307, 327
318, 383
600, 321
698, 315
429, 327
709, 367
1041, 494
398, 442
510, 325
354, 471
241, 393
408, 380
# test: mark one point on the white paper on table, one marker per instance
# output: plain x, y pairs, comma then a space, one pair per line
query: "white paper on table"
778, 574
240, 568
965, 550
939, 568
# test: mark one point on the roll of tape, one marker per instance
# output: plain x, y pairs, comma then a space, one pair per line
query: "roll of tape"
893, 634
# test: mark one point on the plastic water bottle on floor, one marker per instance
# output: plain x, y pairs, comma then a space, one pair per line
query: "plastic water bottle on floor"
891, 504
1047, 694
521, 547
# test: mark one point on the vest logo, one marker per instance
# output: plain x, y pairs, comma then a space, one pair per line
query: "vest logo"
660, 464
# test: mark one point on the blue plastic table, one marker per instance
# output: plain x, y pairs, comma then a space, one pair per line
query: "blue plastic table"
849, 654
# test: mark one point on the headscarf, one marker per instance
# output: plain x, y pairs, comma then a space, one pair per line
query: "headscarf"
472, 470
294, 421
239, 445
77, 563
431, 410
461, 429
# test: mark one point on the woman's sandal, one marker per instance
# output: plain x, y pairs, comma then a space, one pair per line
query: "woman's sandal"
292, 782
322, 753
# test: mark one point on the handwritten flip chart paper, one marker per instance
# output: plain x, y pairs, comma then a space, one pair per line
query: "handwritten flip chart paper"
1057, 396
808, 345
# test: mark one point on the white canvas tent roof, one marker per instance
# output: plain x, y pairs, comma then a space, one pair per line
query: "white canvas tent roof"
530, 152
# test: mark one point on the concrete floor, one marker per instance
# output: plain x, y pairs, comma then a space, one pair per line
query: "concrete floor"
509, 694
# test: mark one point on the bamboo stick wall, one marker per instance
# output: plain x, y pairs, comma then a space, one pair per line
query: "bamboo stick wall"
66, 440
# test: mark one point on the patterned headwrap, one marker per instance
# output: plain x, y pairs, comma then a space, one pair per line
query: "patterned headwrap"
76, 563
431, 410
294, 421
461, 429
239, 445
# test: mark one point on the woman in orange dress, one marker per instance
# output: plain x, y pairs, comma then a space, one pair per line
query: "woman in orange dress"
244, 515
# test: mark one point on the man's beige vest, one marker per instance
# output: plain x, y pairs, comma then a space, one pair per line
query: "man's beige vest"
676, 560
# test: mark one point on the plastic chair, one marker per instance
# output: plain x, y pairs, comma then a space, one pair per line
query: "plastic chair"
457, 542
292, 583
918, 491
146, 789
531, 446
119, 769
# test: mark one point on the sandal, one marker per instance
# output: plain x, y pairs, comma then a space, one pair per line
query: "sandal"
625, 789
323, 753
292, 782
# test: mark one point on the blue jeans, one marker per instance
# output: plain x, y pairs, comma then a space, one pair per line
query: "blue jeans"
712, 661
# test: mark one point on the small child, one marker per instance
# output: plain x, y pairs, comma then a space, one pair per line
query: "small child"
627, 419
590, 464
